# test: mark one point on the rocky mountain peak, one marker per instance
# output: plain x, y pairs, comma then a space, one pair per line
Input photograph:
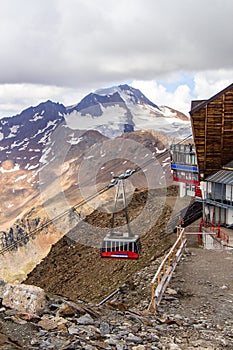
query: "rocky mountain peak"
23, 136
136, 96
119, 109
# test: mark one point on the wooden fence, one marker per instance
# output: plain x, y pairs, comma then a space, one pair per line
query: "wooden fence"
164, 273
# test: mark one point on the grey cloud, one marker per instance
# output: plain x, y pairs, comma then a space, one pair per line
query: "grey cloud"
74, 42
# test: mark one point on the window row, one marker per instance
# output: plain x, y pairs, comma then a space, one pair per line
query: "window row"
182, 158
185, 175
187, 148
116, 246
219, 191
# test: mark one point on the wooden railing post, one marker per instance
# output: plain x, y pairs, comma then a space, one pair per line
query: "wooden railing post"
153, 297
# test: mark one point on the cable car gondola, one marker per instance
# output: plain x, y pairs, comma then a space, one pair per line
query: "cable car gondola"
117, 244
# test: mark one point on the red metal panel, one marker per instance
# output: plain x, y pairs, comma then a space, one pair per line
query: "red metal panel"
187, 181
120, 255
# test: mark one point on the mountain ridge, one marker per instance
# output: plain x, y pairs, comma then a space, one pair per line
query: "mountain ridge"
131, 109
111, 111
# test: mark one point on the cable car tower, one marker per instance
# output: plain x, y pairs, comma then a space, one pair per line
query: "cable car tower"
122, 245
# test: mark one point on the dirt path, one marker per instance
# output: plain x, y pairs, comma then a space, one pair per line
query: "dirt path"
204, 282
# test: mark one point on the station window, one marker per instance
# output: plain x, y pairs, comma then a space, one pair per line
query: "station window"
188, 159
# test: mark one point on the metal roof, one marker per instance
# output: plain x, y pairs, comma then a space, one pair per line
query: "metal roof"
228, 166
222, 176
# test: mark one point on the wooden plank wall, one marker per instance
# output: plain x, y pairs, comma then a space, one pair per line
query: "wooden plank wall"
213, 133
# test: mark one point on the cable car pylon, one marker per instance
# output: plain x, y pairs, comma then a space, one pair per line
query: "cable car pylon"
120, 244
120, 186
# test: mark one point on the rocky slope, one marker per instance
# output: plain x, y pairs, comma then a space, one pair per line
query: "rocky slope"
70, 259
194, 314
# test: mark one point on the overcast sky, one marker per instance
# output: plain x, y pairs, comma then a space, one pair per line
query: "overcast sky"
173, 50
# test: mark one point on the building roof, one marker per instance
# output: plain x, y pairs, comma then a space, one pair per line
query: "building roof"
228, 166
222, 176
196, 105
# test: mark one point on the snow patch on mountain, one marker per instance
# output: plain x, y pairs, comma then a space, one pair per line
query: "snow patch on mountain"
74, 140
167, 112
112, 116
32, 167
25, 144
37, 116
45, 155
16, 168
20, 178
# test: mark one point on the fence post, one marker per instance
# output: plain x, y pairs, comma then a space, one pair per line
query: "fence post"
153, 297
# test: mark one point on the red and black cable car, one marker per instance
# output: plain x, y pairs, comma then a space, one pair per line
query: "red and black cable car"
118, 246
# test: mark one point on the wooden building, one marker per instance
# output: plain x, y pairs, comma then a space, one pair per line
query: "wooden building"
212, 124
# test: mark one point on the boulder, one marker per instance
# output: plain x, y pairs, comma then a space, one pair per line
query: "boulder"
24, 298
